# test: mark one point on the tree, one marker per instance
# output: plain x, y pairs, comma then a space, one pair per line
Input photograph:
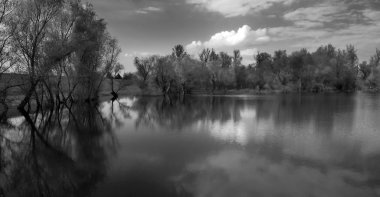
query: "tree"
301, 69
204, 56
239, 69
352, 57
165, 76
213, 56
263, 69
281, 66
222, 77
145, 67
178, 57
236, 58
375, 59
226, 60
178, 51
31, 22
195, 75
111, 54
7, 59
373, 80
89, 62
365, 70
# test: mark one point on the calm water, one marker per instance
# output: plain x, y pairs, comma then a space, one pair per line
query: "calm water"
284, 145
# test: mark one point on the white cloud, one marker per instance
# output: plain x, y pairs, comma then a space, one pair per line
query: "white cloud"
194, 47
248, 55
148, 9
244, 38
233, 8
248, 52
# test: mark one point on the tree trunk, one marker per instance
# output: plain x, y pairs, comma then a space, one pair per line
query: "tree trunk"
113, 93
28, 95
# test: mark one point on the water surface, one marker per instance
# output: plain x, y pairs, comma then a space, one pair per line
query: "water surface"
279, 145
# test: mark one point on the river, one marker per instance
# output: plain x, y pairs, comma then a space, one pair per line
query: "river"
222, 146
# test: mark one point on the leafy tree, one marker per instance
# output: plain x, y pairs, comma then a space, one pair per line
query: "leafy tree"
145, 68
365, 70
213, 56
373, 80
240, 70
375, 59
263, 70
237, 58
302, 69
178, 51
221, 77
196, 75
281, 66
226, 60
204, 56
89, 64
165, 76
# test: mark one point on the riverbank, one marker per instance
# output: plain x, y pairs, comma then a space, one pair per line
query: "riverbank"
131, 88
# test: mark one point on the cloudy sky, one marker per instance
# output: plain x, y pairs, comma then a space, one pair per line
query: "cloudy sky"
145, 27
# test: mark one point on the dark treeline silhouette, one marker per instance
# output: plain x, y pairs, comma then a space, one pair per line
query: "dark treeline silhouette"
326, 69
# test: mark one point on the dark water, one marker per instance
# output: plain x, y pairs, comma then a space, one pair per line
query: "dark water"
284, 145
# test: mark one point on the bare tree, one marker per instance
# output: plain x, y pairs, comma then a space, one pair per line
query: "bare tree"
7, 61
31, 22
111, 54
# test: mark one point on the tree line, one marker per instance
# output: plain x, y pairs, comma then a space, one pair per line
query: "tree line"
326, 69
61, 46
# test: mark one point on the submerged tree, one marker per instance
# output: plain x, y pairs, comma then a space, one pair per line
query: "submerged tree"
31, 22
63, 48
112, 66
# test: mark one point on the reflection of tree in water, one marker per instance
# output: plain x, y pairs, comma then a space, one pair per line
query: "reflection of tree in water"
302, 109
326, 114
57, 152
179, 113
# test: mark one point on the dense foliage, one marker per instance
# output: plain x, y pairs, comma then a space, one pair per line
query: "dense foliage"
326, 69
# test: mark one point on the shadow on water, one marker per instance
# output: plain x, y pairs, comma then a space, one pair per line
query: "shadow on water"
55, 152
